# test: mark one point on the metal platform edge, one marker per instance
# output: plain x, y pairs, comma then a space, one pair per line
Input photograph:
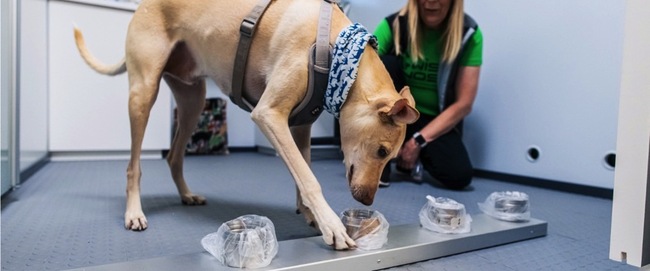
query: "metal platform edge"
406, 244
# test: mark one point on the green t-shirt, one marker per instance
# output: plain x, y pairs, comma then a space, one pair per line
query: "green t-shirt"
422, 77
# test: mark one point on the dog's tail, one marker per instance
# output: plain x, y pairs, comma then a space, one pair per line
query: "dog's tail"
94, 63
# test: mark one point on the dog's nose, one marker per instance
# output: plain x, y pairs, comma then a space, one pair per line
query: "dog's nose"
367, 201
365, 196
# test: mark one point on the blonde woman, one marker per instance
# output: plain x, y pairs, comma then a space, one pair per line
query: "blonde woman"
435, 49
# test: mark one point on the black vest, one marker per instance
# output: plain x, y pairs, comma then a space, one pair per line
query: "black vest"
447, 72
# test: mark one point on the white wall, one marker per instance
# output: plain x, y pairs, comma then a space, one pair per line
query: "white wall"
370, 12
33, 82
550, 78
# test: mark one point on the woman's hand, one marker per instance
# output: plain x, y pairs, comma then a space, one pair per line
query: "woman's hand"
408, 154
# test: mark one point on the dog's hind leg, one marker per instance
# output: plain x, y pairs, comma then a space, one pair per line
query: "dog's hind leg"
190, 99
147, 51
142, 95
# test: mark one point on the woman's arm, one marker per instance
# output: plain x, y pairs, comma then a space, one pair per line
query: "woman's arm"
468, 77
467, 84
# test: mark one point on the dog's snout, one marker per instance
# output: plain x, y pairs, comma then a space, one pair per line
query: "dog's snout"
364, 194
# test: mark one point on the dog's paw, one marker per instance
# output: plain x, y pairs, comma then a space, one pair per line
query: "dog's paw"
135, 221
192, 199
332, 229
335, 235
329, 225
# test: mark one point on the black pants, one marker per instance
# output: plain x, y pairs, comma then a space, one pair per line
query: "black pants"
445, 158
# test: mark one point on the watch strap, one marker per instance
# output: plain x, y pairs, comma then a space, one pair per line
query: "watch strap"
420, 140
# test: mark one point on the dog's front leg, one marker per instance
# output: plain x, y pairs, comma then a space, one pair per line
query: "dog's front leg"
274, 125
302, 136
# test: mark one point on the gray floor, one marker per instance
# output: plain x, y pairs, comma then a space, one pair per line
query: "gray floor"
69, 214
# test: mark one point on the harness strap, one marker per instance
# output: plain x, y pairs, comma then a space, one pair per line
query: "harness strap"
246, 32
319, 66
323, 50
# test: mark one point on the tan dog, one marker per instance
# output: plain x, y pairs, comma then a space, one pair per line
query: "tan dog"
185, 41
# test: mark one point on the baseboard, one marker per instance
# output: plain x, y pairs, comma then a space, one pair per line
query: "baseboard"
587, 190
326, 152
325, 141
59, 156
242, 149
28, 172
266, 150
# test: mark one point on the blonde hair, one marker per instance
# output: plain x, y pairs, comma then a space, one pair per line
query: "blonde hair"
452, 35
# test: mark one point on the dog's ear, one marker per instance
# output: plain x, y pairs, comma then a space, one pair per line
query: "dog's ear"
406, 93
403, 112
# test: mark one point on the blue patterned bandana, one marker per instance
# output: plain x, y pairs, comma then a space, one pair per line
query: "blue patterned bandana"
348, 49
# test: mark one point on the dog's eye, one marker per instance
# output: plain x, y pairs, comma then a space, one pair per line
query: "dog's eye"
382, 152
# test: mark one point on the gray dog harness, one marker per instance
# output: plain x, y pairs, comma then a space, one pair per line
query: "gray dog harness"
311, 106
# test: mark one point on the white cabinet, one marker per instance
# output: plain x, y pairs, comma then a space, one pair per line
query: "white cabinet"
88, 111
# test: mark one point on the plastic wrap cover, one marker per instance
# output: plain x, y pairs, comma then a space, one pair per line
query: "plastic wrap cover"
508, 206
368, 228
445, 215
248, 241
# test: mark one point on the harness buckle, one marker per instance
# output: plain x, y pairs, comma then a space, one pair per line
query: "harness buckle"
247, 27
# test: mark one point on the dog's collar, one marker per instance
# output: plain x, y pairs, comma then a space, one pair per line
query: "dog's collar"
348, 49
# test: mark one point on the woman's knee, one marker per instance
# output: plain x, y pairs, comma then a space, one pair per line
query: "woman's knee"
456, 179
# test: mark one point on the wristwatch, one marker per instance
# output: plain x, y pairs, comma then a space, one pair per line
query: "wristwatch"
419, 139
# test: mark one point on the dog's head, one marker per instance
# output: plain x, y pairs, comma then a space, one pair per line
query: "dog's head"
372, 132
